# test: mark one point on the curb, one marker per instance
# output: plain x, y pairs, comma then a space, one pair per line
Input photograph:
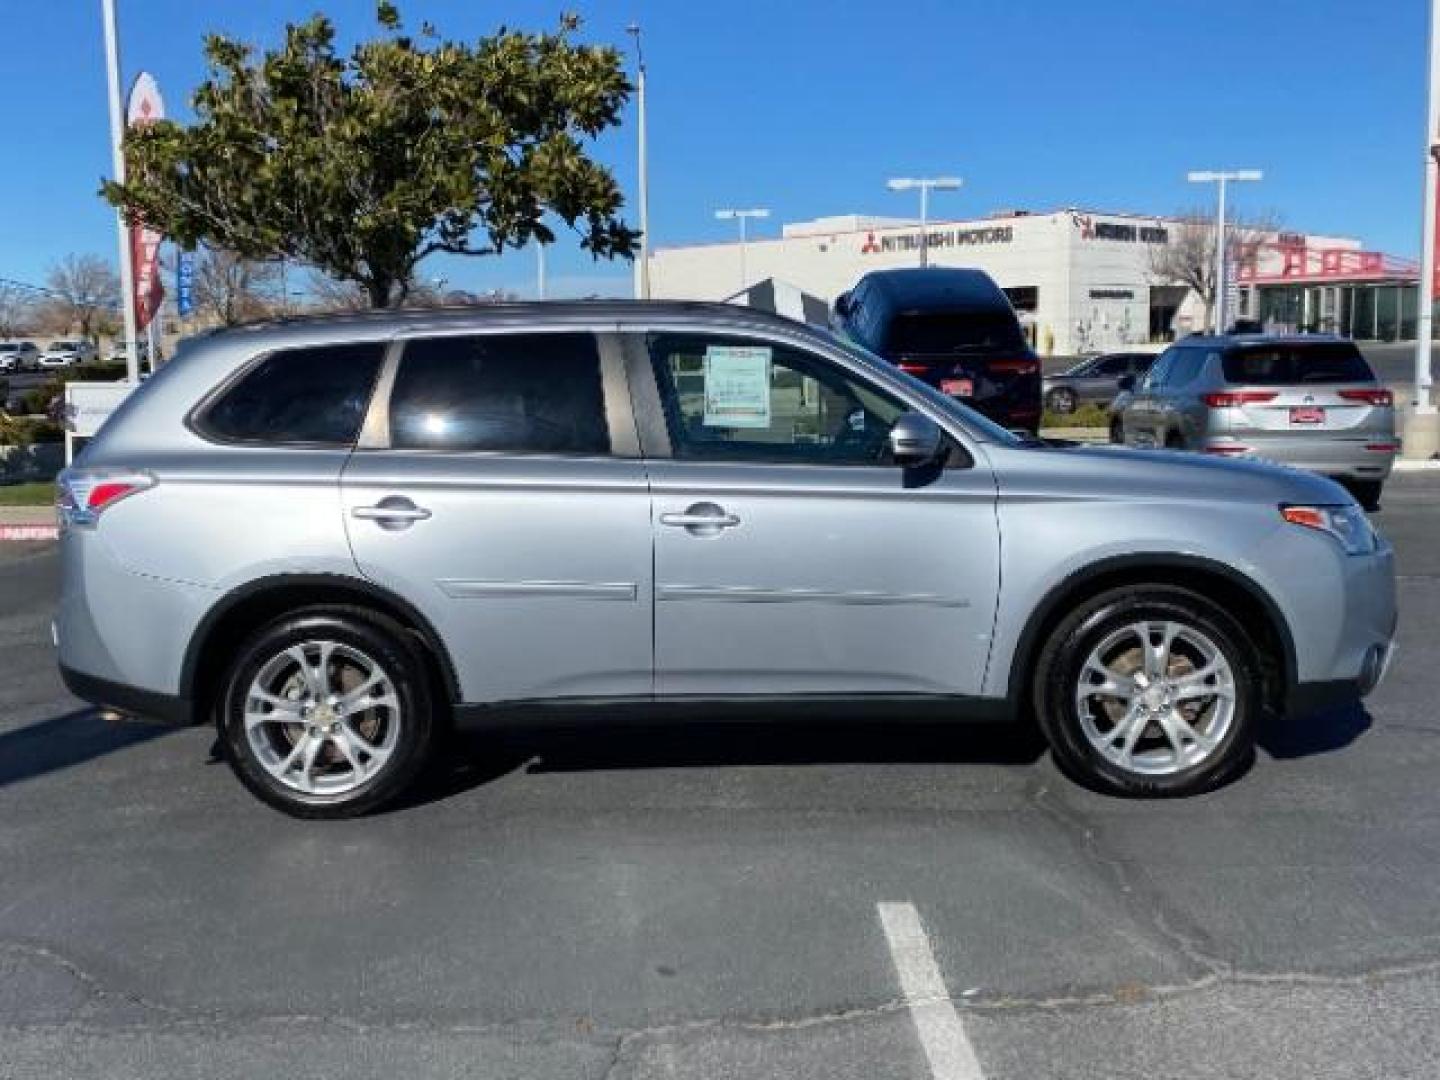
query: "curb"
1431, 465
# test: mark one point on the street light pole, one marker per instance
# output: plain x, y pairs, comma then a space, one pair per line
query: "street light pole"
1422, 427
642, 277
117, 153
1220, 179
742, 216
925, 184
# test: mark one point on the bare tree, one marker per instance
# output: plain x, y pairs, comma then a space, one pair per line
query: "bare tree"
1188, 258
230, 289
17, 309
328, 294
84, 291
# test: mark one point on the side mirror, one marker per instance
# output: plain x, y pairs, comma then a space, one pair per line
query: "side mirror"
915, 440
842, 304
1126, 383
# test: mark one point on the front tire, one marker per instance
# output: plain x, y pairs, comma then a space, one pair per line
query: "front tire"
327, 713
1150, 691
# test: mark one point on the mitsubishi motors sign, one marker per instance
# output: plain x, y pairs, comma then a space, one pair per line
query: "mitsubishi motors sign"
145, 107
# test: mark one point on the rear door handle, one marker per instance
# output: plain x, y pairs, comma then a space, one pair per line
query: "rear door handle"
392, 512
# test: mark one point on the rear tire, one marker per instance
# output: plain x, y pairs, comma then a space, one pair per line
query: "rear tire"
1367, 493
1117, 433
327, 712
1177, 718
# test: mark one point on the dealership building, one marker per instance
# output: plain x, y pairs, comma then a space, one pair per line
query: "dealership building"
1081, 280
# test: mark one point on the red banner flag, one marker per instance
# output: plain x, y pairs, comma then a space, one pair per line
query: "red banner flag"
145, 107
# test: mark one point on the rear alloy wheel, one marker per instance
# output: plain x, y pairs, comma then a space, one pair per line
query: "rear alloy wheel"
1061, 400
1149, 691
327, 713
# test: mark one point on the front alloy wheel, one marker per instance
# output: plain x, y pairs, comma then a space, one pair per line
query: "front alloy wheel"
1149, 690
1156, 698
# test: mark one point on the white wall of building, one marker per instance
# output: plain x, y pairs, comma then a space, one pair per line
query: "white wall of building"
1091, 270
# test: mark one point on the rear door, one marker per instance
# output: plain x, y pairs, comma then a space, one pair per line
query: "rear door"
791, 557
500, 492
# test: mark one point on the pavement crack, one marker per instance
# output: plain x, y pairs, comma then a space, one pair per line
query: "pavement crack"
1148, 905
95, 990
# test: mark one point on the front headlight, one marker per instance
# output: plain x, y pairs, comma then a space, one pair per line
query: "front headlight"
1347, 524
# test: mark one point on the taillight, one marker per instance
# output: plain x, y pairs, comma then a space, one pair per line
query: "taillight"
1229, 399
82, 495
1014, 367
1370, 397
912, 369
1227, 450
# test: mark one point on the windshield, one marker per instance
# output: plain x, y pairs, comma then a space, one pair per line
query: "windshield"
982, 426
63, 346
1288, 365
7, 347
950, 331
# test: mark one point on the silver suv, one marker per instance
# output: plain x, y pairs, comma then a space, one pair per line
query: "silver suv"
336, 538
1309, 402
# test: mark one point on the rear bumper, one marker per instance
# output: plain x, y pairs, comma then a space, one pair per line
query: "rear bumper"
1343, 458
130, 700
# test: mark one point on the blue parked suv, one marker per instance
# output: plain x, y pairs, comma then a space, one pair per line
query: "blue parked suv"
951, 328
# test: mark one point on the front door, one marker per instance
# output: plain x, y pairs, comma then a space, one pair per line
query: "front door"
505, 499
791, 556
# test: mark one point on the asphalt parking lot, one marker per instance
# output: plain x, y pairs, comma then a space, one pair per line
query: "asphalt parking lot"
722, 902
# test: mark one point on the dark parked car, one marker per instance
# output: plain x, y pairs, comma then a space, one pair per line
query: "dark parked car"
1094, 380
951, 328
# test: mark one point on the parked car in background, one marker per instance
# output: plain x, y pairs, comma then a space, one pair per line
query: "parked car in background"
1309, 401
67, 352
117, 355
953, 329
19, 356
344, 535
1095, 380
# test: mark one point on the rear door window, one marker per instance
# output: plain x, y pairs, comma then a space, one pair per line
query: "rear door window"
314, 396
501, 393
1294, 364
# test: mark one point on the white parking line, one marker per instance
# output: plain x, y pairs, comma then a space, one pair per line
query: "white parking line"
942, 1035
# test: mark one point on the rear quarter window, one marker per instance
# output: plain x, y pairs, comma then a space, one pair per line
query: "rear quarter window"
314, 396
1290, 365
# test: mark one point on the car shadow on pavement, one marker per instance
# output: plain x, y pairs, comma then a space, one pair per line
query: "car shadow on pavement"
475, 759
62, 741
1316, 733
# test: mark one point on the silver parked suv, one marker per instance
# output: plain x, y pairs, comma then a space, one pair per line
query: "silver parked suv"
337, 537
1310, 402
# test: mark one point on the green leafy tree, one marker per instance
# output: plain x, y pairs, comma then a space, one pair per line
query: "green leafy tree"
361, 165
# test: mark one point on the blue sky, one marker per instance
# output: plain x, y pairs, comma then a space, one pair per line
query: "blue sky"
806, 107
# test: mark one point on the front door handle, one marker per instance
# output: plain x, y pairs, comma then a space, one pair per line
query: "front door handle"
392, 512
702, 519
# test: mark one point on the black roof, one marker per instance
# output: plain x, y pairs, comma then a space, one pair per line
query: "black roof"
936, 287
